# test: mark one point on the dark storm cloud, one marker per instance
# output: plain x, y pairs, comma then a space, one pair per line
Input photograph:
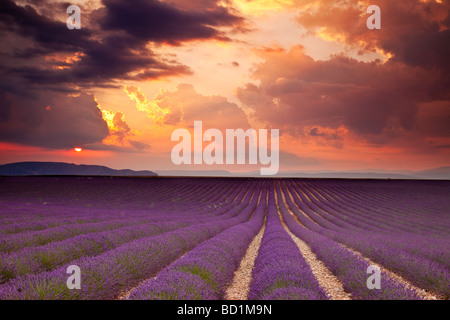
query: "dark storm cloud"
55, 121
43, 62
103, 61
377, 102
114, 44
5, 107
116, 58
414, 32
152, 20
318, 132
403, 102
401, 98
135, 147
50, 34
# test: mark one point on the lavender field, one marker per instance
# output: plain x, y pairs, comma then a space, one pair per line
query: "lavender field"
222, 238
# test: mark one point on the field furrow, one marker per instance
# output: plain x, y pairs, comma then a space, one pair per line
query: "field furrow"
224, 238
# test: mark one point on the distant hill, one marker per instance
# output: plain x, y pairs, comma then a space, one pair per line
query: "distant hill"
62, 168
432, 174
438, 173
347, 175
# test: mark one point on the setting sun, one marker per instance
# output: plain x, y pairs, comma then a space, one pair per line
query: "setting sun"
78, 149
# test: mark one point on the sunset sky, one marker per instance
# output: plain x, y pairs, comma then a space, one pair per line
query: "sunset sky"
343, 97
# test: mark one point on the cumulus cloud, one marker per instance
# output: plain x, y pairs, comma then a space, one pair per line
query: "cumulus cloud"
44, 63
375, 101
415, 32
152, 109
402, 100
120, 134
114, 48
185, 105
56, 121
152, 20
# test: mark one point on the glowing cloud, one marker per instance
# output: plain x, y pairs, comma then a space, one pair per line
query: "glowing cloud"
120, 133
259, 7
152, 109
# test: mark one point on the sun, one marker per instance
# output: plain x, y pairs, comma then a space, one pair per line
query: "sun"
78, 149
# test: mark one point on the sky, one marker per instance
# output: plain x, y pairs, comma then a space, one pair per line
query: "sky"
343, 96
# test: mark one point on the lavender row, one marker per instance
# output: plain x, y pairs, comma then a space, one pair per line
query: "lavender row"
48, 257
114, 193
415, 265
335, 215
301, 202
387, 215
205, 272
45, 258
356, 212
90, 215
395, 190
16, 242
436, 248
192, 195
433, 248
410, 247
409, 219
10, 243
326, 214
100, 188
50, 222
320, 215
346, 266
280, 271
106, 275
301, 216
363, 210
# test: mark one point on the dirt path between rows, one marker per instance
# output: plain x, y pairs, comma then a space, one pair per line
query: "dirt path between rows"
291, 196
326, 279
240, 286
424, 294
126, 294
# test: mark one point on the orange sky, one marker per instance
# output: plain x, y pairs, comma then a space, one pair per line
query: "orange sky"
344, 97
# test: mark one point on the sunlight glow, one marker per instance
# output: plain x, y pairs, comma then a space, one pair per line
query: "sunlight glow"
152, 108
